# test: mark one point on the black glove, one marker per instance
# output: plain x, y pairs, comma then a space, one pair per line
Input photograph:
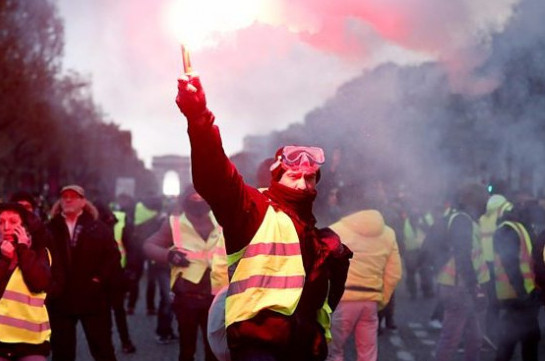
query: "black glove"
177, 258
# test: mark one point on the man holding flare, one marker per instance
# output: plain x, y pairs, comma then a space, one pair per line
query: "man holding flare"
286, 276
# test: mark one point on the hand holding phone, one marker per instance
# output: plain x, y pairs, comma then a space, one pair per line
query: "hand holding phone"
22, 236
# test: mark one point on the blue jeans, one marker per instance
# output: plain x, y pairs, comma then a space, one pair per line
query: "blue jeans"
459, 316
165, 314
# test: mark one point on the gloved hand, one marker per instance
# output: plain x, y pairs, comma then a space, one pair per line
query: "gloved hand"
177, 258
191, 98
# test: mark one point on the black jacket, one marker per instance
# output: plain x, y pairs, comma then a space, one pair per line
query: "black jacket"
84, 275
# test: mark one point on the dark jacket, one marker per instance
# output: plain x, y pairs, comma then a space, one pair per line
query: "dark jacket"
507, 245
461, 238
539, 264
85, 274
240, 210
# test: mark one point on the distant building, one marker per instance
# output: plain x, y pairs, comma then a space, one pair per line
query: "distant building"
166, 166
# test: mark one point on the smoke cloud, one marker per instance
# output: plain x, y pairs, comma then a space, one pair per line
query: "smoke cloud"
267, 75
408, 125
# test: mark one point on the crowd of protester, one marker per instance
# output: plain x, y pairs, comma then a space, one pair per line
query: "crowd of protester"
85, 260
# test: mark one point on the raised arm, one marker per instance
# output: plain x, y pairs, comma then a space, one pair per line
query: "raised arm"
238, 207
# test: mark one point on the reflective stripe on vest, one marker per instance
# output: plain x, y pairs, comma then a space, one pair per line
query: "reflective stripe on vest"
23, 315
504, 289
268, 273
118, 234
201, 254
447, 276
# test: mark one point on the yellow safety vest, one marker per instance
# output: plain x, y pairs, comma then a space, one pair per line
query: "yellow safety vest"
413, 236
118, 234
201, 254
143, 214
269, 274
23, 315
447, 275
488, 226
504, 289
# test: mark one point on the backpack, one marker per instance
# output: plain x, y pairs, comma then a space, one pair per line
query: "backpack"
436, 249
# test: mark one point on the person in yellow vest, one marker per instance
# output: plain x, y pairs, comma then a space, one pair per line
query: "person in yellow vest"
415, 226
115, 219
463, 278
496, 206
146, 220
192, 244
25, 276
374, 272
515, 287
286, 275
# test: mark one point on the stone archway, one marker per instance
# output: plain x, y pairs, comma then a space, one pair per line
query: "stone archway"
163, 165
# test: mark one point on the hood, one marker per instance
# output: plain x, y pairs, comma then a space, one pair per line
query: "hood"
367, 223
495, 202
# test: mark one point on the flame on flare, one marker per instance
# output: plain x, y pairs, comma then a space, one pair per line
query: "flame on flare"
201, 23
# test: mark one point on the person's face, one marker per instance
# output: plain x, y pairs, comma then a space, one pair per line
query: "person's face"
299, 179
9, 221
71, 202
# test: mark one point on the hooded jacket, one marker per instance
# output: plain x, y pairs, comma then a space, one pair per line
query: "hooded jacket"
488, 222
375, 268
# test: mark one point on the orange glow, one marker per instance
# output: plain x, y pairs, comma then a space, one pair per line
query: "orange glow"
201, 23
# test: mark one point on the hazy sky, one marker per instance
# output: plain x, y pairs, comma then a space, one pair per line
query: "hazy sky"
263, 63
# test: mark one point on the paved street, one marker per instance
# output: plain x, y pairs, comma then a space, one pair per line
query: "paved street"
414, 341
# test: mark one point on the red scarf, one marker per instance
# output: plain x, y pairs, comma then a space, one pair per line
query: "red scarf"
296, 203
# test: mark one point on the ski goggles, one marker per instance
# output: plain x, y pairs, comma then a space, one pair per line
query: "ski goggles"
297, 157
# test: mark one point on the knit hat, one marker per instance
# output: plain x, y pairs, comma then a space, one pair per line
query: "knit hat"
473, 194
17, 208
23, 196
278, 170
